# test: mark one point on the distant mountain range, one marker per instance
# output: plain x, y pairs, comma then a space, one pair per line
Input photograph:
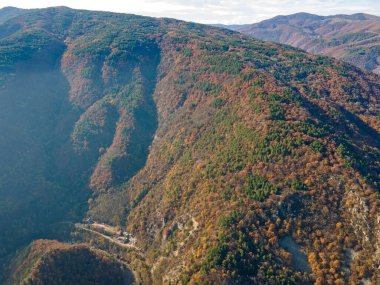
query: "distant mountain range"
352, 38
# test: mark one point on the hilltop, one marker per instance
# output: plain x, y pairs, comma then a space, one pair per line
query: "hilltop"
7, 13
51, 262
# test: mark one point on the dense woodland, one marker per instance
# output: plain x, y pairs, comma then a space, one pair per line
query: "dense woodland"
61, 264
210, 147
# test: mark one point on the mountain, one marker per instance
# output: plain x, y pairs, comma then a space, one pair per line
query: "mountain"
189, 154
352, 38
7, 13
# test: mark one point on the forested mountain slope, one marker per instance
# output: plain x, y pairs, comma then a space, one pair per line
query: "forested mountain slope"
7, 13
214, 150
53, 263
352, 38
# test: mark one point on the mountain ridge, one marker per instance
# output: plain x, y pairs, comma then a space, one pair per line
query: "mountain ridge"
352, 38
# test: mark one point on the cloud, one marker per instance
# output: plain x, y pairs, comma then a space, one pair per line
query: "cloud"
240, 11
213, 11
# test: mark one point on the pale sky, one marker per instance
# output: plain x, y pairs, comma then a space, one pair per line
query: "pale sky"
211, 11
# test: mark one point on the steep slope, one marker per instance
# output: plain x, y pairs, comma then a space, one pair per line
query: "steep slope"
255, 142
76, 114
231, 147
228, 159
352, 38
50, 262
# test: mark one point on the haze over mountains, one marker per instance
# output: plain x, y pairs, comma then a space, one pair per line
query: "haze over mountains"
352, 38
163, 152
